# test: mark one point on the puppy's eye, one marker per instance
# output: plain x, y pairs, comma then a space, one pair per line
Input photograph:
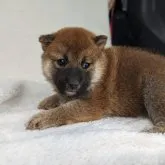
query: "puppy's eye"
85, 65
62, 62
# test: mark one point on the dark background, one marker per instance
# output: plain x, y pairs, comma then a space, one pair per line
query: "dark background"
139, 23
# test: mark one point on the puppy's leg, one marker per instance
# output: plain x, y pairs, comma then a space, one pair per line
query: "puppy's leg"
157, 128
71, 112
154, 98
49, 102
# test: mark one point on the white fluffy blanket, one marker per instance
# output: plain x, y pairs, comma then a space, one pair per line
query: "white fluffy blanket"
111, 141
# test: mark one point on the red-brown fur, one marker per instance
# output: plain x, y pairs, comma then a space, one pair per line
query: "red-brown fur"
128, 81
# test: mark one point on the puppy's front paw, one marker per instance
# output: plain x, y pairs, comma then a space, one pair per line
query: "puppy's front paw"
41, 121
49, 103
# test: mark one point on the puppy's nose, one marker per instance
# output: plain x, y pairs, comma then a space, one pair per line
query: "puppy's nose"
73, 84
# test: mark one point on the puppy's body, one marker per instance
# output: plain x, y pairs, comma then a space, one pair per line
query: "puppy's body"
136, 74
97, 82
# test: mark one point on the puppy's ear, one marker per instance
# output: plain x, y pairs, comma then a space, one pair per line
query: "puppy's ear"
100, 41
46, 40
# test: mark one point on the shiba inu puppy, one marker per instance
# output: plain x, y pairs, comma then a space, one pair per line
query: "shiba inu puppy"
92, 82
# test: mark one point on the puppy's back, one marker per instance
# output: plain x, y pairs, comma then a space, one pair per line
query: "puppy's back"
137, 60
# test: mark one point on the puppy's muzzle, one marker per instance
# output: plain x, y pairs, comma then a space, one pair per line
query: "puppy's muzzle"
73, 85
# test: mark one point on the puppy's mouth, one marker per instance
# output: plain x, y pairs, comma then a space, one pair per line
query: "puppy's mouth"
72, 91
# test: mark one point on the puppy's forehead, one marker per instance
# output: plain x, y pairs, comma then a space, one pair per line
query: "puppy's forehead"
74, 39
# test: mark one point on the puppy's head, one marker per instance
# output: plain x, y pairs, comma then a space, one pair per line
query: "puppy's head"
73, 60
